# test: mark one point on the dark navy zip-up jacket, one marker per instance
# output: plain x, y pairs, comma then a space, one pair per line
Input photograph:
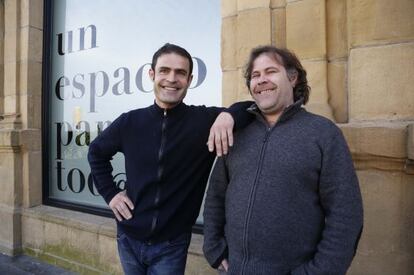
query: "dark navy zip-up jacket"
167, 164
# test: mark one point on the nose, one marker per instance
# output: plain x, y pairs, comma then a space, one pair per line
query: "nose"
262, 80
171, 77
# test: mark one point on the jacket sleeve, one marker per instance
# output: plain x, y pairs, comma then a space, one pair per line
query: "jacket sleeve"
215, 245
341, 200
241, 116
100, 154
238, 111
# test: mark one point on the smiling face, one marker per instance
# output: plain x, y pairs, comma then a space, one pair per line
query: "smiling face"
171, 79
271, 87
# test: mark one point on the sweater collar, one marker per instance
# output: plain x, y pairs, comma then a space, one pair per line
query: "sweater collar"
172, 111
287, 113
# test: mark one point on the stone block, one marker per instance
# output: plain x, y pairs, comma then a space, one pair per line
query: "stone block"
338, 97
277, 3
30, 108
253, 29
386, 243
228, 43
228, 8
10, 104
279, 28
242, 90
11, 10
10, 46
108, 254
10, 78
410, 141
32, 178
24, 13
10, 230
336, 26
30, 79
31, 13
2, 15
386, 140
31, 139
229, 87
1, 48
317, 80
381, 81
83, 247
33, 234
379, 21
306, 28
249, 4
10, 30
197, 264
31, 41
8, 139
10, 167
56, 233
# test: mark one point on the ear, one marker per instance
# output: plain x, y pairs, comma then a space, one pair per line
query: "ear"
189, 80
293, 77
151, 74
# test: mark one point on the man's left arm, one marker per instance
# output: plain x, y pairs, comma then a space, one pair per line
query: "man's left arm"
340, 197
235, 118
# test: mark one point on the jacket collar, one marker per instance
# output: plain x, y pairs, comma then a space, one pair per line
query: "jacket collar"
172, 111
287, 113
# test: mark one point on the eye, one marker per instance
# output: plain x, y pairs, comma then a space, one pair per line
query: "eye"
254, 76
182, 73
163, 70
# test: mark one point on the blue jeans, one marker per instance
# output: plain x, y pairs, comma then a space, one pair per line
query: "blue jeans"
144, 258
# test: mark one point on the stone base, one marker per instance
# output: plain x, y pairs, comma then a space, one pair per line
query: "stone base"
10, 231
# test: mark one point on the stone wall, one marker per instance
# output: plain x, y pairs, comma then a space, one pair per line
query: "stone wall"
359, 57
20, 115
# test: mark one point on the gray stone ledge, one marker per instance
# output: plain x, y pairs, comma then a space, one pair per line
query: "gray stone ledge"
91, 223
82, 221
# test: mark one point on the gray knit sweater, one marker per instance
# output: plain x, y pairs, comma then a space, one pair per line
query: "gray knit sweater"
286, 200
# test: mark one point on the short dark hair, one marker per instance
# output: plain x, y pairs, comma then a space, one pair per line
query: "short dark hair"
288, 60
171, 48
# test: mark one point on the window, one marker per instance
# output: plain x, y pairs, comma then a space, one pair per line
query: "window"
97, 57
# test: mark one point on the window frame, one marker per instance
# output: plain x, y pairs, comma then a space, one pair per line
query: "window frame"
46, 127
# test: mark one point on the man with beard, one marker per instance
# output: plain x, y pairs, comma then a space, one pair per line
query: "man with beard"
286, 199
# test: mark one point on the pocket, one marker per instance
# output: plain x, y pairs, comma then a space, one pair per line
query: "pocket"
120, 236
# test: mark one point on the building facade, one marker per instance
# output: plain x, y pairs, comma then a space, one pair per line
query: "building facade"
359, 55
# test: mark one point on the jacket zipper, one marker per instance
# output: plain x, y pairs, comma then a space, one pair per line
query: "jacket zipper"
251, 201
159, 173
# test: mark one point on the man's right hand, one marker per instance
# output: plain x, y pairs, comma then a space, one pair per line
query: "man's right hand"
121, 206
224, 265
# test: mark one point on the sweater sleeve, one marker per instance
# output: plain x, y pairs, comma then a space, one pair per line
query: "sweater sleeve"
241, 116
341, 200
215, 245
100, 154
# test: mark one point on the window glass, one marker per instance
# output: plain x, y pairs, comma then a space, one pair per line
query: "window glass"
100, 54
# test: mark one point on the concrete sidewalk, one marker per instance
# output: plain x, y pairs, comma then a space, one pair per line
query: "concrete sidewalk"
25, 265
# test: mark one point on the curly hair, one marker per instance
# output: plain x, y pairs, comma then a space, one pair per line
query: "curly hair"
288, 60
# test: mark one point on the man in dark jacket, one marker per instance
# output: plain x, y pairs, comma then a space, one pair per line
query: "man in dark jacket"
286, 199
167, 164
